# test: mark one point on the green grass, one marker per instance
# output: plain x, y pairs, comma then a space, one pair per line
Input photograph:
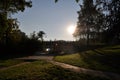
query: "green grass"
105, 59
9, 62
41, 70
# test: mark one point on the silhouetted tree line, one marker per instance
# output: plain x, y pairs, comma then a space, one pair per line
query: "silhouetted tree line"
98, 22
14, 42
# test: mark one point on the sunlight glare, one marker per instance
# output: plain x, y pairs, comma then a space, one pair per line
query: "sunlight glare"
71, 29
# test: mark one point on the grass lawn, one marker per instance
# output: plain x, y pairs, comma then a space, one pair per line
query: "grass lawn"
105, 59
41, 70
9, 62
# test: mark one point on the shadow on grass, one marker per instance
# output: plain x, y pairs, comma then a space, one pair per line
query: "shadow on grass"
102, 60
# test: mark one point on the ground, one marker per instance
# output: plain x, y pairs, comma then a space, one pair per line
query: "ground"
47, 67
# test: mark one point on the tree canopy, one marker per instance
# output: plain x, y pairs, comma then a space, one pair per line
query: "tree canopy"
41, 35
13, 6
8, 24
98, 20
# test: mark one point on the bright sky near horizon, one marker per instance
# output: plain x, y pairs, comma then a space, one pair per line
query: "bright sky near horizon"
50, 17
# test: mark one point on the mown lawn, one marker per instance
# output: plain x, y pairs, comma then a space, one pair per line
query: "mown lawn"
9, 62
41, 70
105, 59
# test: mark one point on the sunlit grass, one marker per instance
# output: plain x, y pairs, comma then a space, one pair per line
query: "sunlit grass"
74, 59
105, 59
41, 70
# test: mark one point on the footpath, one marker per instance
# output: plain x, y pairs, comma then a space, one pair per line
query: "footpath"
109, 75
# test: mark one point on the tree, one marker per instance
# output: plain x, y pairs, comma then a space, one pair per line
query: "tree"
113, 20
12, 27
13, 6
41, 35
100, 20
8, 7
3, 27
33, 36
89, 20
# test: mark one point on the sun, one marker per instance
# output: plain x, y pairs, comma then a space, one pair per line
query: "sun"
71, 29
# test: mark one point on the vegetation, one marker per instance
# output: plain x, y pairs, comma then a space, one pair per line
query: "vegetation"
7, 24
12, 39
41, 70
98, 21
14, 42
41, 35
9, 62
105, 59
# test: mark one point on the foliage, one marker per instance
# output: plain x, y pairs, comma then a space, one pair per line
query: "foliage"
13, 6
98, 20
89, 21
38, 36
113, 21
105, 59
41, 35
11, 37
8, 24
3, 26
33, 36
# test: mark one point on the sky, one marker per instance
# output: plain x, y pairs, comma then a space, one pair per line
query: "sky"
50, 17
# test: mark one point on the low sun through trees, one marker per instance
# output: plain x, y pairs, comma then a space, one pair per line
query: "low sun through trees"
98, 21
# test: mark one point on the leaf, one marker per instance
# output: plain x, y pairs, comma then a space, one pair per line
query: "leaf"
56, 1
77, 1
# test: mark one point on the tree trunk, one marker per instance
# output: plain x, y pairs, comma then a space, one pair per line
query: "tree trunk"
88, 37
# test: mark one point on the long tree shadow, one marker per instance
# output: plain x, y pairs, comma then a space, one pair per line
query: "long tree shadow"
103, 60
99, 51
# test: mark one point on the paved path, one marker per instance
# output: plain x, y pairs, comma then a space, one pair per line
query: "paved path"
112, 76
109, 75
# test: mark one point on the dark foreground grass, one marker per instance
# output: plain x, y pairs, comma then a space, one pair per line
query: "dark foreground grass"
9, 62
105, 59
41, 70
